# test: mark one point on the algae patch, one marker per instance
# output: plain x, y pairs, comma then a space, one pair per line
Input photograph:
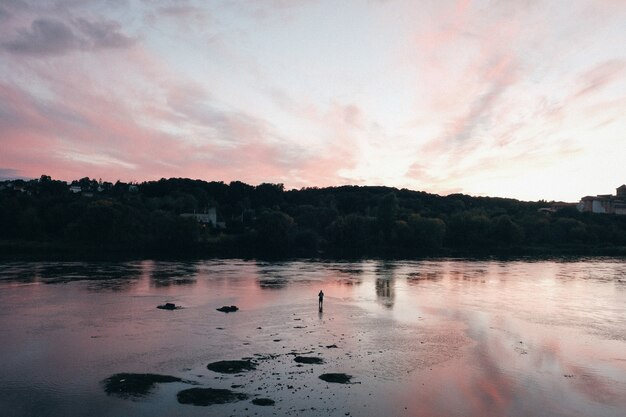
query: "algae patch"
209, 396
231, 367
134, 385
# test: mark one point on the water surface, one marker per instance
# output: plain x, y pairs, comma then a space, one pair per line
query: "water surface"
421, 338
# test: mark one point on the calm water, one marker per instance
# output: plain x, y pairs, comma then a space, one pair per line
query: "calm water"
424, 338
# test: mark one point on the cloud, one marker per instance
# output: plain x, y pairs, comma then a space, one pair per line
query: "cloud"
4, 14
185, 13
270, 9
495, 81
83, 133
191, 103
104, 34
9, 174
600, 76
469, 96
47, 37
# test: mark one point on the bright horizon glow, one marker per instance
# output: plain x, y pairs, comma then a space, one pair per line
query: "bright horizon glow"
516, 99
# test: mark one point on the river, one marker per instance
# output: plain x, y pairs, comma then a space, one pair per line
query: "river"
419, 338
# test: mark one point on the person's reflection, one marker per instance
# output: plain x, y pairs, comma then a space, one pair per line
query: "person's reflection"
385, 284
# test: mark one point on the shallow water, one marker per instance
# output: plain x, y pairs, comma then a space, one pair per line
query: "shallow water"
422, 338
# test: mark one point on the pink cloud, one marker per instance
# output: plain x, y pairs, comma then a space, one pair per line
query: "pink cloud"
89, 89
601, 76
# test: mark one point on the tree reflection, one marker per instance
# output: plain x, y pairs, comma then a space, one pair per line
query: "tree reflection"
165, 274
19, 272
385, 284
416, 277
348, 275
271, 277
111, 276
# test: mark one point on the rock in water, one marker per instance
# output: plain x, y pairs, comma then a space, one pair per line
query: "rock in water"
228, 309
209, 396
168, 306
308, 359
231, 367
336, 378
263, 401
134, 385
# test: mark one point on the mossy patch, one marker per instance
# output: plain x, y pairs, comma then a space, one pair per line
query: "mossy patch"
336, 378
228, 309
134, 385
308, 359
231, 367
209, 396
263, 401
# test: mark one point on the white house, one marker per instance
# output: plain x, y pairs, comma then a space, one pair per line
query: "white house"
605, 203
208, 217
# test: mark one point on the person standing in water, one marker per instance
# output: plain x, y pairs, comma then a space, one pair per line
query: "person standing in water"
321, 299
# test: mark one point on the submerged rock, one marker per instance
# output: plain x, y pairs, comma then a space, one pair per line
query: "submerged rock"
336, 378
134, 385
228, 309
208, 396
168, 306
263, 401
308, 359
231, 367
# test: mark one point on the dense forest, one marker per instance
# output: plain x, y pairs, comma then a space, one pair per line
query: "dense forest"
50, 217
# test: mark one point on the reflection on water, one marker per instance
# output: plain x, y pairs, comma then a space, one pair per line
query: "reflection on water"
449, 337
164, 274
385, 283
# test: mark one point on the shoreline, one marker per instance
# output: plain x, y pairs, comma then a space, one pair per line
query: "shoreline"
60, 251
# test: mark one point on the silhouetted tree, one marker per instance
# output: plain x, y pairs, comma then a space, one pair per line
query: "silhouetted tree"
386, 215
273, 231
506, 232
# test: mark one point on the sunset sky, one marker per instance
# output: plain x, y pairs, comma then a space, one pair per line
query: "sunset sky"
519, 98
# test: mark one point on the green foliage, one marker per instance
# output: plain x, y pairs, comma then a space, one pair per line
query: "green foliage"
106, 222
469, 229
273, 232
354, 233
426, 234
506, 232
269, 220
386, 214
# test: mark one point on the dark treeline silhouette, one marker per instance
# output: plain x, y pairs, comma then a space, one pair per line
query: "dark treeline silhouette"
46, 215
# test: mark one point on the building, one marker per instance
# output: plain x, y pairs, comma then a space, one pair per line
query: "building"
605, 203
209, 217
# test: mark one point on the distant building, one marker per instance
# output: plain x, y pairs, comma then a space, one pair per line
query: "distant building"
556, 206
209, 217
605, 203
132, 188
76, 188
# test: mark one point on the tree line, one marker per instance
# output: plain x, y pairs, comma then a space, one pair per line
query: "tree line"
267, 220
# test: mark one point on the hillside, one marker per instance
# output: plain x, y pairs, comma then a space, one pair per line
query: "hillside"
47, 217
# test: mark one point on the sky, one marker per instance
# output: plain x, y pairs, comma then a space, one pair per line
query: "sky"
520, 98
